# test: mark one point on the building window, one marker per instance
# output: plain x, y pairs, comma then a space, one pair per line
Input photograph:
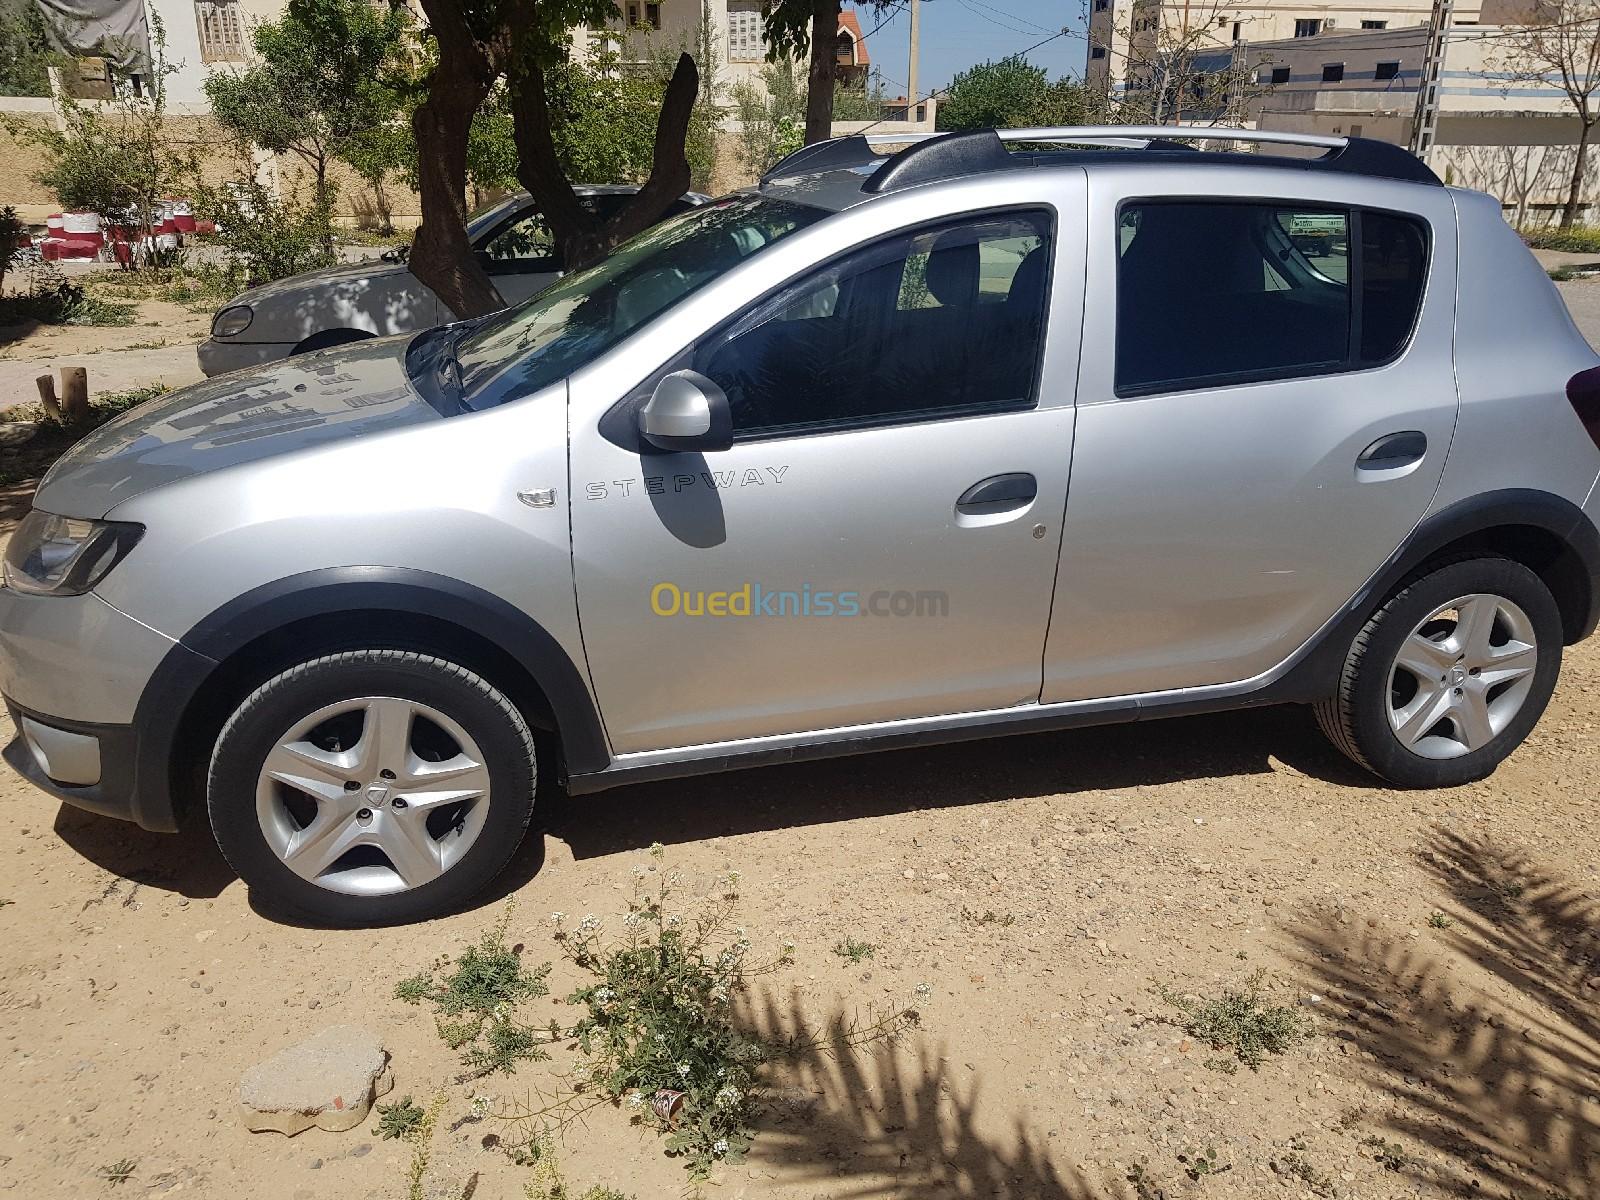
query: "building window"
744, 31
1374, 24
1280, 75
1332, 72
1101, 5
644, 14
1097, 52
1307, 27
1386, 70
221, 27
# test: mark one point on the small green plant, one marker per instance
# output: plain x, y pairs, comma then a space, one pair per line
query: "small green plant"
548, 1182
119, 1172
474, 1003
421, 1138
1295, 1164
1144, 1184
1198, 1166
398, 1119
855, 951
1391, 1156
1438, 920
658, 1034
53, 299
1240, 1022
988, 917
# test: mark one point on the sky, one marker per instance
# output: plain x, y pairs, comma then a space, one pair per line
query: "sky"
958, 33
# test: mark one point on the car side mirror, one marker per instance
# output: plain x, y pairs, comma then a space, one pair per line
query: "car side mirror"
687, 412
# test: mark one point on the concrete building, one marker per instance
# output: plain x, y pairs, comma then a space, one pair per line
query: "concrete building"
1502, 135
1126, 36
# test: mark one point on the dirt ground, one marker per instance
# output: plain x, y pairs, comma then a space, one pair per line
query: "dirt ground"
1446, 946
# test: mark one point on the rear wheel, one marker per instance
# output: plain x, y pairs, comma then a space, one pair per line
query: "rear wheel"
1449, 676
372, 786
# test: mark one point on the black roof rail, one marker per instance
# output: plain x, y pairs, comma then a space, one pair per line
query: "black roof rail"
949, 156
836, 154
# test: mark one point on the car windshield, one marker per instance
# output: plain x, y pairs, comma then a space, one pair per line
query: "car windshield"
516, 352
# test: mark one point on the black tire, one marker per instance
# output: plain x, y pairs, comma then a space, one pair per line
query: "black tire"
264, 716
1356, 718
326, 339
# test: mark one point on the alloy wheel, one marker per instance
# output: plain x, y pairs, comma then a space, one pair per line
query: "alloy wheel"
373, 796
1461, 676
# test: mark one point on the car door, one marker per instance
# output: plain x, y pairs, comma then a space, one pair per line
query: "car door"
1263, 418
880, 541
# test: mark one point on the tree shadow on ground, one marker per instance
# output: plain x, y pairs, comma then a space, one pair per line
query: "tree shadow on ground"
891, 1121
1485, 1030
869, 785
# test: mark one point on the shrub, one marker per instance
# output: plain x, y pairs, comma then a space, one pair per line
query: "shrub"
1579, 239
474, 1003
52, 299
1240, 1022
268, 236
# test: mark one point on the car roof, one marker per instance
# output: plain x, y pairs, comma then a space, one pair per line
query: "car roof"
847, 171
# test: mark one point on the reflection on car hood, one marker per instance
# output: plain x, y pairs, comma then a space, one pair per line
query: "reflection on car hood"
291, 405
365, 271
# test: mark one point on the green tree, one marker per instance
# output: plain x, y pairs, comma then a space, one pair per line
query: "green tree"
25, 52
324, 84
478, 43
116, 159
809, 29
1009, 94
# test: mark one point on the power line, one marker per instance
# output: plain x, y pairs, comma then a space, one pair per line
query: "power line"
994, 20
1033, 26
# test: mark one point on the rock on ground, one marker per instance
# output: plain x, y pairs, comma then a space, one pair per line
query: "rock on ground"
329, 1080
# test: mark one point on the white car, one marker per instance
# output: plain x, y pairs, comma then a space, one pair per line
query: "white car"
355, 301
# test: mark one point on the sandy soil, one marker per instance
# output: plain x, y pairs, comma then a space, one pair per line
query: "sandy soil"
1041, 885
157, 348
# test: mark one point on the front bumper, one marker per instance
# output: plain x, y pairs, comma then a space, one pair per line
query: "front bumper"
218, 357
96, 698
85, 765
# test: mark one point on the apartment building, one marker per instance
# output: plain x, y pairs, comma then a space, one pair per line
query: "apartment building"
1127, 37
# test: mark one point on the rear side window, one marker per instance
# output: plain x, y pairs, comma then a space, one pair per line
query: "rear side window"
1214, 292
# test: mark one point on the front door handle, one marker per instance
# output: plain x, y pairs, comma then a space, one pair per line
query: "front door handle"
1392, 453
999, 492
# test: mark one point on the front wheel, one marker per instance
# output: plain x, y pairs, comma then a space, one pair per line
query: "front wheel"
372, 786
1449, 676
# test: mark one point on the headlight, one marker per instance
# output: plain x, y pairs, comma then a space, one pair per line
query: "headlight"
64, 556
231, 322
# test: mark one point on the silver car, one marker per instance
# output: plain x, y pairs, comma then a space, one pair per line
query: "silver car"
355, 301
884, 451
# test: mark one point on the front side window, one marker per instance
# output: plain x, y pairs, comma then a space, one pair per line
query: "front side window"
528, 347
938, 323
1213, 292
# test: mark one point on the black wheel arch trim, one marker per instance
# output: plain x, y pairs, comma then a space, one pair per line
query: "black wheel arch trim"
272, 606
1316, 672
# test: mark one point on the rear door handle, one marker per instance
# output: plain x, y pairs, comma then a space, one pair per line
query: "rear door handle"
1392, 453
999, 492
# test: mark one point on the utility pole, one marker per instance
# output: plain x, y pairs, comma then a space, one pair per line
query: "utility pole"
1425, 125
911, 69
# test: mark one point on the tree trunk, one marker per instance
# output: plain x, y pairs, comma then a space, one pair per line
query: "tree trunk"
580, 237
1569, 213
819, 78
441, 255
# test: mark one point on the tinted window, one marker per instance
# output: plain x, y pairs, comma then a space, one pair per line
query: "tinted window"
1394, 264
941, 322
1212, 293
528, 347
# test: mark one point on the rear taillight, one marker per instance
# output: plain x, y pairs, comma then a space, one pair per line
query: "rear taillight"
1583, 393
